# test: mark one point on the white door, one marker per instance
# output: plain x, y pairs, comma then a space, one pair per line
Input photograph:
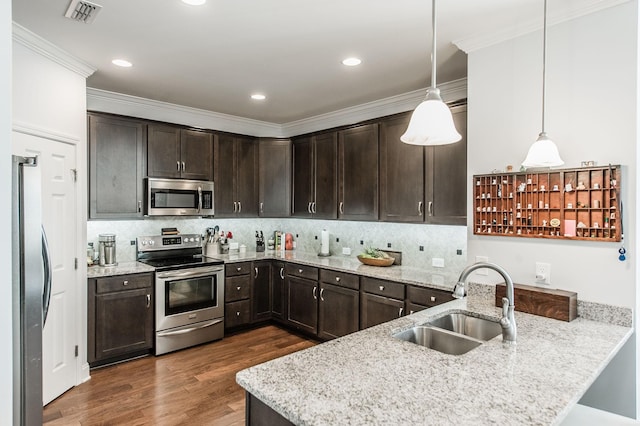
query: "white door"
57, 163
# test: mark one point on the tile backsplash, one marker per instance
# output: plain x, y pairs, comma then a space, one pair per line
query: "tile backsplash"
448, 243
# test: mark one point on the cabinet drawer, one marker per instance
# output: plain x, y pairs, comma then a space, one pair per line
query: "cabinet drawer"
383, 288
123, 282
240, 268
302, 271
340, 278
427, 296
237, 313
237, 288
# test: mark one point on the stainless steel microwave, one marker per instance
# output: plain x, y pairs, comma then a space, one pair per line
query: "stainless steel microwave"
178, 197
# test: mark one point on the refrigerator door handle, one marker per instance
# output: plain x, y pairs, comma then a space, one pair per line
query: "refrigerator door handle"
46, 260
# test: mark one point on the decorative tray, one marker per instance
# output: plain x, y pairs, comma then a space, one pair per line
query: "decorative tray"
376, 261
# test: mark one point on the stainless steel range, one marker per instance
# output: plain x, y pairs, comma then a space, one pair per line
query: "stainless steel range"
189, 291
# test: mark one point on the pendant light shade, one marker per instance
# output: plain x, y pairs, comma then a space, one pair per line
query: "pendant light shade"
431, 122
543, 152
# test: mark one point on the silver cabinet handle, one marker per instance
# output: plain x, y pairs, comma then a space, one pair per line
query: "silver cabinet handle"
381, 288
341, 208
337, 279
139, 206
309, 207
400, 312
419, 208
261, 207
239, 207
235, 206
237, 313
239, 268
321, 293
430, 208
178, 165
300, 271
282, 273
238, 288
125, 282
183, 166
148, 300
315, 289
433, 298
313, 207
256, 274
411, 312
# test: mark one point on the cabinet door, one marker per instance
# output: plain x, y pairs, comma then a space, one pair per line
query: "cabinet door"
116, 155
275, 177
196, 155
246, 177
302, 306
278, 290
338, 310
224, 176
325, 184
123, 323
303, 178
261, 291
376, 309
446, 177
358, 173
401, 174
163, 151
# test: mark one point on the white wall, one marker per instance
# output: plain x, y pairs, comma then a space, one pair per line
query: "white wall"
6, 371
591, 114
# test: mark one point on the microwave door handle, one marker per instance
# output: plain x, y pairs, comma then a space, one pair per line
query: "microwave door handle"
199, 199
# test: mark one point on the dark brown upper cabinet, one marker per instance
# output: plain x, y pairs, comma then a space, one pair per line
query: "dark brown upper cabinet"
274, 177
315, 176
235, 177
173, 152
116, 167
358, 173
422, 184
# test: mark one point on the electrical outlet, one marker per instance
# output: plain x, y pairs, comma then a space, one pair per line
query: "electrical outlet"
543, 273
346, 251
437, 262
482, 271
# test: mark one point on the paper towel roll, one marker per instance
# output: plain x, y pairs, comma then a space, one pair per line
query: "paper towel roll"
324, 242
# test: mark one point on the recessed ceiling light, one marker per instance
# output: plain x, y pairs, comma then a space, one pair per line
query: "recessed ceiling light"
351, 62
122, 63
258, 97
194, 2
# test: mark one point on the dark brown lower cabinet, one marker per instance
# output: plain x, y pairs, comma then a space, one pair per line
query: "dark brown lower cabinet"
260, 414
302, 303
338, 310
277, 291
376, 309
261, 295
120, 313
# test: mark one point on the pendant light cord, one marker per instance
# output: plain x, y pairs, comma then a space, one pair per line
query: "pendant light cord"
433, 44
544, 62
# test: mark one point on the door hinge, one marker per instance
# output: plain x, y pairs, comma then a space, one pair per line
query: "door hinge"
76, 351
75, 263
74, 173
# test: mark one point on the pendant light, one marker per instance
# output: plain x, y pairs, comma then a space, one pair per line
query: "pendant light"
543, 152
431, 123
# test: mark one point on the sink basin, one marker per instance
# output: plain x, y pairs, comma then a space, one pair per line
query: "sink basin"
438, 339
459, 322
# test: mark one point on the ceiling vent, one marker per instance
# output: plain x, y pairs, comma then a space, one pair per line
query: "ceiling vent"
82, 11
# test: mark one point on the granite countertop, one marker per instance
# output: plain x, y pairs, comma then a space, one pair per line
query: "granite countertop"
369, 377
121, 268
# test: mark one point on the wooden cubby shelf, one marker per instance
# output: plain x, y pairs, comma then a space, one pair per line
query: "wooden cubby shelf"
578, 204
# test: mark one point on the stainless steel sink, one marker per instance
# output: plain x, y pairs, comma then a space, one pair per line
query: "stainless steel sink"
438, 339
471, 326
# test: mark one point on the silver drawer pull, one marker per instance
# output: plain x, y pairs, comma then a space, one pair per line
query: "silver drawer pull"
282, 273
314, 292
238, 288
299, 271
381, 288
238, 313
125, 282
239, 268
400, 312
433, 298
337, 279
148, 300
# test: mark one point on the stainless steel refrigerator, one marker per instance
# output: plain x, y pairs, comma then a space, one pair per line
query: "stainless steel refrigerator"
31, 290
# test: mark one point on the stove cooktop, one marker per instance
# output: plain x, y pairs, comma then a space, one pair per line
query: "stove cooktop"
167, 253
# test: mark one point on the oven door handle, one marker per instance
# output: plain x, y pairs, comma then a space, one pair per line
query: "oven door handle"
188, 330
187, 274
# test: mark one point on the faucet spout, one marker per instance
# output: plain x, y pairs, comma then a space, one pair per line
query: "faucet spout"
508, 320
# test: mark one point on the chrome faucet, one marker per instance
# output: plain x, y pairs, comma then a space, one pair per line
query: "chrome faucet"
508, 320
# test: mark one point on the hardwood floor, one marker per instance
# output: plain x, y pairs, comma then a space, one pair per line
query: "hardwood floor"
194, 386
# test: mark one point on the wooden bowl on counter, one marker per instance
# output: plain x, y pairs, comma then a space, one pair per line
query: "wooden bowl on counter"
381, 261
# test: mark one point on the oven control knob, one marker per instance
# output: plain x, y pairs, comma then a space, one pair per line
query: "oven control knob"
190, 239
143, 242
197, 240
151, 242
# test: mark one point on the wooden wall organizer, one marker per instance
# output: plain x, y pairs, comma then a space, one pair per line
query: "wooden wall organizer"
577, 204
557, 304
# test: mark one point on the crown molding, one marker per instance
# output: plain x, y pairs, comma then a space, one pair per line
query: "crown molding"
41, 132
450, 91
563, 12
134, 106
50, 51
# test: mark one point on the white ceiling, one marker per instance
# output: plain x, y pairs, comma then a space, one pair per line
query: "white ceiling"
214, 56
